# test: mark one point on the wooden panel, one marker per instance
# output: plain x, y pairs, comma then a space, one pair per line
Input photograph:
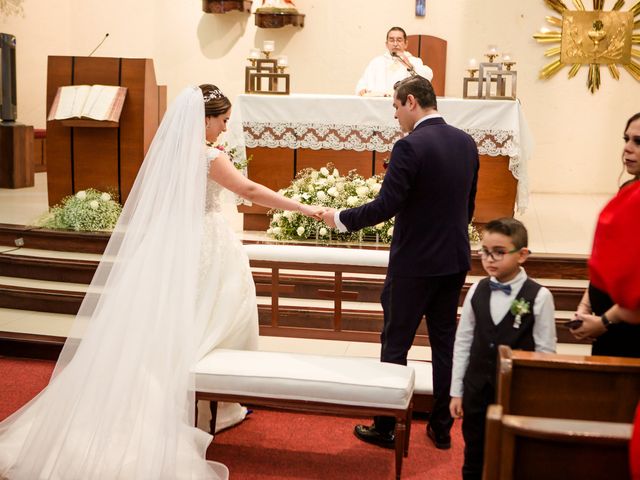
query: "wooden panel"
95, 150
39, 150
583, 388
272, 167
433, 52
16, 155
531, 448
344, 160
380, 158
496, 189
59, 164
132, 122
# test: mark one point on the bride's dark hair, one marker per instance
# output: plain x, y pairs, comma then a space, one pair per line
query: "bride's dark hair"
215, 102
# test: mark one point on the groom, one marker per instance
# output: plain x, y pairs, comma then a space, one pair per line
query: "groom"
430, 187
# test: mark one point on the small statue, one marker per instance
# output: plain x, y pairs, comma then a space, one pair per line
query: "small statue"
280, 6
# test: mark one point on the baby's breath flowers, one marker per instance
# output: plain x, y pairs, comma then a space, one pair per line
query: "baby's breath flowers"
88, 210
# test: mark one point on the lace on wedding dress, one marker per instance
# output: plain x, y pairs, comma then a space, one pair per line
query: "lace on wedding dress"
120, 404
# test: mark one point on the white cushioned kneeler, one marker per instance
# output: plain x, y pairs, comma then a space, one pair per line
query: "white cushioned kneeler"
331, 379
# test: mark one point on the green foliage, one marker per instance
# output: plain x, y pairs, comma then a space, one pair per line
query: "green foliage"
87, 211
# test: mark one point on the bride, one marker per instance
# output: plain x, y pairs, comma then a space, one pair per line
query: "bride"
173, 283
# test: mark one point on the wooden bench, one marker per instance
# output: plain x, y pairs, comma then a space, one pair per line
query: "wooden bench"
312, 383
527, 448
568, 386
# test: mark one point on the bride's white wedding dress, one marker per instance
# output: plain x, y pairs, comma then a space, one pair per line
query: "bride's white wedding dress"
226, 291
173, 284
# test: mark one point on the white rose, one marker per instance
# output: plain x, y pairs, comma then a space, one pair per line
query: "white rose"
81, 195
362, 191
376, 188
324, 171
300, 231
322, 231
352, 201
336, 174
340, 186
321, 183
94, 204
314, 175
269, 231
390, 232
277, 217
321, 196
379, 226
311, 189
288, 215
296, 197
331, 180
277, 230
371, 181
333, 191
105, 197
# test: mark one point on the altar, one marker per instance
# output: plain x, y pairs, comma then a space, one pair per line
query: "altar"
285, 134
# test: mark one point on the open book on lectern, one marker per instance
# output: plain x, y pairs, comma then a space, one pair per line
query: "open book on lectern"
95, 102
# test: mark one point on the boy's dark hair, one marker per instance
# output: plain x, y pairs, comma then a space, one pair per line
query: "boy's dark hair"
511, 228
420, 88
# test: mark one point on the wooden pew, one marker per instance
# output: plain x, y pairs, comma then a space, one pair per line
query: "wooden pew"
568, 386
528, 448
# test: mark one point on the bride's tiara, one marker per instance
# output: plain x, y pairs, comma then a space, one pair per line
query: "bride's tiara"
213, 94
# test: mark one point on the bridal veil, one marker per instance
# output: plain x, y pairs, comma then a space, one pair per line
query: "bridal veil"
120, 404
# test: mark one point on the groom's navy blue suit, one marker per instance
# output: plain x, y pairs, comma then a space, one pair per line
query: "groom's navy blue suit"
430, 187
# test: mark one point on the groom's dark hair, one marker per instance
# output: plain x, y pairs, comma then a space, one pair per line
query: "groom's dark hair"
420, 88
215, 102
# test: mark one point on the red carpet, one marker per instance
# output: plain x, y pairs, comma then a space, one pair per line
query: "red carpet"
278, 445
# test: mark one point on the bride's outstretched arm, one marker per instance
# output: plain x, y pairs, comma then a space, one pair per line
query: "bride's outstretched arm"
223, 172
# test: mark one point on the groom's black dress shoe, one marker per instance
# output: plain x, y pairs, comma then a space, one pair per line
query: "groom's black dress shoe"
371, 435
441, 441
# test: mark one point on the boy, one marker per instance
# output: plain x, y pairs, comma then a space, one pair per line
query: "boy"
508, 308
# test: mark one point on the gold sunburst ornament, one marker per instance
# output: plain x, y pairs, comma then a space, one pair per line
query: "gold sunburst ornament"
592, 38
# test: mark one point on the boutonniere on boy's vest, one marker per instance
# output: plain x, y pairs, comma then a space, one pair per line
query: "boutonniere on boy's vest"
385, 163
519, 308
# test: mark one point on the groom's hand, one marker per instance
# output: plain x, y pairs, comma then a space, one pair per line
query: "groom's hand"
327, 216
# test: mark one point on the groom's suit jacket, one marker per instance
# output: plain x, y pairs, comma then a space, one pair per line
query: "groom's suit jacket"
430, 187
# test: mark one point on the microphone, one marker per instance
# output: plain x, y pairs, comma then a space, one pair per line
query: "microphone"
404, 62
98, 46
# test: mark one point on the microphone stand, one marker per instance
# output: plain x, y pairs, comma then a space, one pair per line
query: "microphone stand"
405, 63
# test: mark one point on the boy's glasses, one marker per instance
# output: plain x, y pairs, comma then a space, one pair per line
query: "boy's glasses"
496, 255
395, 40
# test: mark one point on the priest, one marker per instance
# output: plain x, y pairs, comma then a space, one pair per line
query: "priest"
396, 64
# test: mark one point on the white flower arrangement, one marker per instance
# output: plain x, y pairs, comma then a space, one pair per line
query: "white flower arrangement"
88, 210
325, 187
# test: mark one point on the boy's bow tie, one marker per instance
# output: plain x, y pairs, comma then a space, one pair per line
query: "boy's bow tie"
500, 286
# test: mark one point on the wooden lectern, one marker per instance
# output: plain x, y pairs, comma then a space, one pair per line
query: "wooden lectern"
91, 156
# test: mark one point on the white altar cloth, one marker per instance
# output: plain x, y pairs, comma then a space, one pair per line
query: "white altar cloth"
349, 122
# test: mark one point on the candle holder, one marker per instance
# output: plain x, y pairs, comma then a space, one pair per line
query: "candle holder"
495, 81
491, 56
266, 75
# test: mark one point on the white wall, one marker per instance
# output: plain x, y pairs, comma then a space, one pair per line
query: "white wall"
578, 135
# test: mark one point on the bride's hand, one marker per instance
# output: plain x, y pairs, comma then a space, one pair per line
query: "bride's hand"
312, 211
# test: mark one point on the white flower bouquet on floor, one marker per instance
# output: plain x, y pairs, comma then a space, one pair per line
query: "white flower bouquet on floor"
87, 211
